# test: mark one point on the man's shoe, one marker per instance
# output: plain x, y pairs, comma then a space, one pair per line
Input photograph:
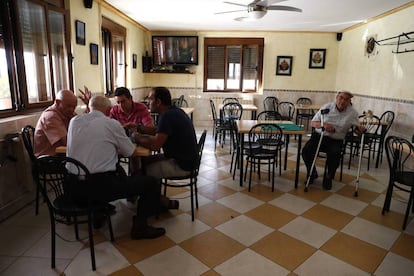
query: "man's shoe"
146, 232
327, 183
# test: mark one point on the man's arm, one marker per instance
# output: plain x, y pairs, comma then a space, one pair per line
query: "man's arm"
151, 142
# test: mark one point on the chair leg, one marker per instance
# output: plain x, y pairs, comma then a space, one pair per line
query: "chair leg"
91, 243
53, 243
407, 211
192, 201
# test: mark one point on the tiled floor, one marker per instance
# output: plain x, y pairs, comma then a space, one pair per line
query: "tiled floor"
236, 232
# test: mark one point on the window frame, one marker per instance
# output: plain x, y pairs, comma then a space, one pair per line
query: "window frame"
13, 43
232, 43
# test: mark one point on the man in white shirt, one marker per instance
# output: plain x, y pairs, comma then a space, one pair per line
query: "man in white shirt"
338, 117
106, 140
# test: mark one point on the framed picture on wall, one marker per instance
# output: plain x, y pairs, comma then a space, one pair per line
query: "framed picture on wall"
80, 32
284, 65
317, 58
134, 61
94, 53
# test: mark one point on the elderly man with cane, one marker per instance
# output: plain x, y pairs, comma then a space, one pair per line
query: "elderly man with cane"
331, 124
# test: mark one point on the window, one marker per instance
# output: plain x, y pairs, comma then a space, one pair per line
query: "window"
233, 64
113, 55
34, 57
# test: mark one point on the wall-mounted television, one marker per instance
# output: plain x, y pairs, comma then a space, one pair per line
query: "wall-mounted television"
175, 50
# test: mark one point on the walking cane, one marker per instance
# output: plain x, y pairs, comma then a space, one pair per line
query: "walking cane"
365, 122
323, 112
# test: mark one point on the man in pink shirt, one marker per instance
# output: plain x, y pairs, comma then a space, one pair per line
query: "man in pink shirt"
129, 113
51, 129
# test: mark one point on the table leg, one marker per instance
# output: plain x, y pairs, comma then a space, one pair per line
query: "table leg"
253, 115
298, 161
286, 149
241, 153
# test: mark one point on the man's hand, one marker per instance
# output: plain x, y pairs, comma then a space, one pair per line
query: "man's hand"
85, 95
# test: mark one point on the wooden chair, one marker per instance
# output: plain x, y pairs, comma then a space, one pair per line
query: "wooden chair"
286, 110
271, 103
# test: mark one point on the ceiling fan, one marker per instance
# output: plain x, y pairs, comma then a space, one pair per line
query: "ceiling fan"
258, 8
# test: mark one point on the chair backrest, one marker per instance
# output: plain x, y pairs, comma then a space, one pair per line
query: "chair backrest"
52, 175
213, 110
230, 100
232, 111
400, 156
269, 115
178, 102
269, 136
304, 101
28, 141
371, 123
200, 144
387, 116
287, 110
270, 103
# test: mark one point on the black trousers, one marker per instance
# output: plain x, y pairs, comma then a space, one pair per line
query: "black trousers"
332, 148
110, 186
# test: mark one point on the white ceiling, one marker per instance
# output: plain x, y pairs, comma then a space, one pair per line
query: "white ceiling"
199, 15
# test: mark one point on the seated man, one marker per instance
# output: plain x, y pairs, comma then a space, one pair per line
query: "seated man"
174, 133
51, 128
129, 113
96, 140
339, 118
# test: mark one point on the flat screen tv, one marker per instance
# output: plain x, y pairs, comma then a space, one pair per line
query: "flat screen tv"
175, 50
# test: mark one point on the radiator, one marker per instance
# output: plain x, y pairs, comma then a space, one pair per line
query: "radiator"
219, 100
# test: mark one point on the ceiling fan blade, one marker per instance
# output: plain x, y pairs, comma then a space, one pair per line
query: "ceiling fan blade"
231, 3
230, 11
267, 3
283, 8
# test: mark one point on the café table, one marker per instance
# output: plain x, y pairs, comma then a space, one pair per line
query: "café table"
141, 151
188, 110
246, 107
288, 128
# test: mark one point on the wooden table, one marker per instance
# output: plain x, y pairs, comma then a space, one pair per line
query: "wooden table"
141, 151
244, 126
246, 107
188, 110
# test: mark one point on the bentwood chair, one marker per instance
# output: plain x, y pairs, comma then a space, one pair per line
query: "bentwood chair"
269, 115
230, 100
53, 178
189, 180
386, 118
270, 103
28, 141
178, 102
304, 114
230, 111
286, 110
400, 157
269, 136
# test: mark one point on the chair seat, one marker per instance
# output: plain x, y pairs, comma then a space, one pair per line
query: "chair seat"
406, 178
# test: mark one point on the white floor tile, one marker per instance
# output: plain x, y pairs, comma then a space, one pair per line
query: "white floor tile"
244, 230
180, 228
249, 263
35, 266
345, 204
308, 231
394, 264
291, 203
321, 263
108, 260
15, 240
173, 261
240, 202
378, 235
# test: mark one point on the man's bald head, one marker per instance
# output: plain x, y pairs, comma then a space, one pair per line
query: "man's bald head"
100, 103
66, 102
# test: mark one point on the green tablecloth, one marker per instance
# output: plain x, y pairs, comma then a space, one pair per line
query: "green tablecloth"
292, 127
